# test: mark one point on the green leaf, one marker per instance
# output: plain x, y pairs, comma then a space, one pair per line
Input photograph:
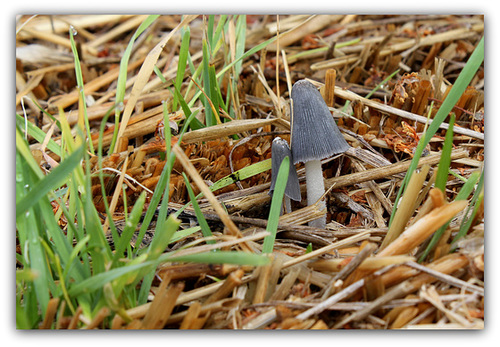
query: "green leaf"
162, 237
276, 205
38, 134
476, 201
129, 229
205, 229
52, 181
181, 66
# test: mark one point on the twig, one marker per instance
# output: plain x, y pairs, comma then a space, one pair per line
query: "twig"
348, 241
349, 268
447, 278
345, 293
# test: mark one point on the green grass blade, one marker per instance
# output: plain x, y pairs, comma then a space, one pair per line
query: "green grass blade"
29, 234
180, 234
181, 65
162, 237
445, 161
224, 257
463, 80
122, 75
38, 134
236, 176
209, 115
23, 149
129, 229
80, 86
463, 194
276, 205
477, 200
440, 183
191, 121
205, 229
241, 26
230, 65
54, 180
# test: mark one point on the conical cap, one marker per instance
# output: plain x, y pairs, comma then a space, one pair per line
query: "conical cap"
315, 134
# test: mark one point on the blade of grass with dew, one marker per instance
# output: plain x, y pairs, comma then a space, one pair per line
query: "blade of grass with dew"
276, 206
23, 149
217, 95
378, 86
181, 66
38, 135
98, 281
122, 75
30, 233
81, 92
205, 229
461, 83
54, 180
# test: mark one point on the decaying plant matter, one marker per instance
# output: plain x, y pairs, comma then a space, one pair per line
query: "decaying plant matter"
378, 263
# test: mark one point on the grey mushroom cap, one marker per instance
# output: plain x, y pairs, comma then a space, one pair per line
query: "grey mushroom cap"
315, 134
279, 151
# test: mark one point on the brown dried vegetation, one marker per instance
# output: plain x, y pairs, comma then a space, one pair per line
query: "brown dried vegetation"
346, 281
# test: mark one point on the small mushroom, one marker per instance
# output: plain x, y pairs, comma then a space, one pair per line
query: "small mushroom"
315, 136
280, 150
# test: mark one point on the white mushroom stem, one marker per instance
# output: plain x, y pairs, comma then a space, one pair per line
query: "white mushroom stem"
288, 205
315, 190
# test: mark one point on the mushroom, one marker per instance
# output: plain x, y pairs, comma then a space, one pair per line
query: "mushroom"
280, 150
315, 136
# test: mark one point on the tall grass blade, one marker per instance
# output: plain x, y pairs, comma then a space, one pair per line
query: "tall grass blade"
463, 80
83, 120
276, 205
476, 202
205, 229
37, 134
181, 66
444, 163
54, 180
122, 75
